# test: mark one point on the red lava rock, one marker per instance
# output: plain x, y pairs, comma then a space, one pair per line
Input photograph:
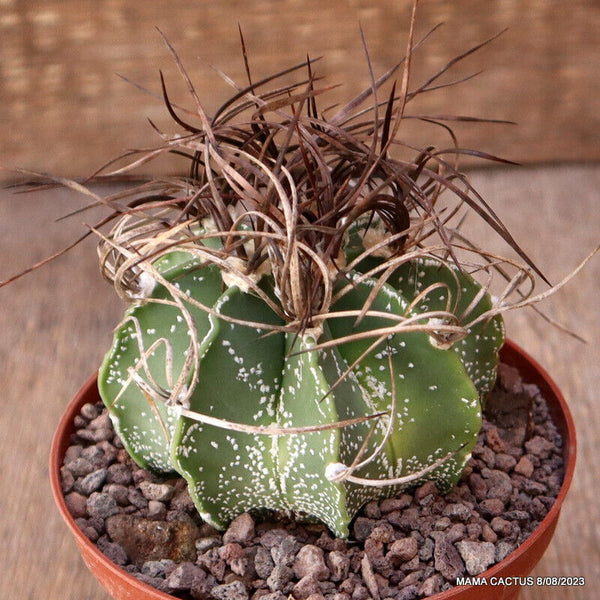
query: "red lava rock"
447, 559
363, 527
499, 484
101, 505
426, 493
279, 577
119, 473
488, 534
339, 565
501, 526
494, 441
310, 560
145, 540
478, 486
432, 585
505, 462
524, 467
390, 504
492, 507
235, 590
539, 446
77, 504
184, 575
162, 492
240, 530
477, 556
307, 586
402, 548
384, 533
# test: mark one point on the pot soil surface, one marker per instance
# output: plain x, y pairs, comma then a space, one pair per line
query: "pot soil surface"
403, 548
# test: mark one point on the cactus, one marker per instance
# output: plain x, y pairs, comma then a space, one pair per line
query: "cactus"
278, 380
302, 336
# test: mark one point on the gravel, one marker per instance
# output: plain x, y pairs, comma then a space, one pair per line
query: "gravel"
403, 548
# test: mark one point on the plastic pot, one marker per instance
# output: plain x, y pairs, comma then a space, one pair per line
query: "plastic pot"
505, 575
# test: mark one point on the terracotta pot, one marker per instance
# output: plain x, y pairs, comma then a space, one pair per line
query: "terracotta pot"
123, 586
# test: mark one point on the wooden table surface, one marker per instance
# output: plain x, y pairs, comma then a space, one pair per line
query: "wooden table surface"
56, 324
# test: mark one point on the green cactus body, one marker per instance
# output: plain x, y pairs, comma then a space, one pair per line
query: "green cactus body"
479, 349
229, 472
146, 427
257, 377
437, 405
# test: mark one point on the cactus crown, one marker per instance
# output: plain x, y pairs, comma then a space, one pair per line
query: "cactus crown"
306, 331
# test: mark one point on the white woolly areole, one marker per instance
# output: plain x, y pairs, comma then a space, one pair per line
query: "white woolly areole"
439, 342
146, 285
335, 471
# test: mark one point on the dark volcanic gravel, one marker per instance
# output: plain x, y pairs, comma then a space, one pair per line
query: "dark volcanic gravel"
403, 548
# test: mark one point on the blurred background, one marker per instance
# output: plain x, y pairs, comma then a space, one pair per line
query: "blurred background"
64, 109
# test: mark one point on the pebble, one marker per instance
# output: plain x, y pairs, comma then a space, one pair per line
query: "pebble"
183, 576
457, 512
477, 556
158, 568
279, 577
492, 507
112, 551
240, 530
503, 549
77, 504
285, 552
390, 504
410, 592
156, 510
402, 548
206, 543
80, 467
88, 411
119, 492
310, 560
524, 467
306, 587
431, 585
501, 526
539, 446
426, 493
447, 559
339, 565
505, 462
161, 492
95, 455
276, 596
92, 482
101, 505
499, 484
363, 527
235, 590
119, 473
263, 563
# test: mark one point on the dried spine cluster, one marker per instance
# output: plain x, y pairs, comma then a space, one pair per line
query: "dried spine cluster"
303, 335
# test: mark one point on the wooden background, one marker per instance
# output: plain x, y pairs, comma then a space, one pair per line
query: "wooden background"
63, 110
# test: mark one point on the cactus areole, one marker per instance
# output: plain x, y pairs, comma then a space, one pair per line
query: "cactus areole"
308, 329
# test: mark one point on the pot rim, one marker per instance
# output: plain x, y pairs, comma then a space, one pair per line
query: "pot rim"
511, 353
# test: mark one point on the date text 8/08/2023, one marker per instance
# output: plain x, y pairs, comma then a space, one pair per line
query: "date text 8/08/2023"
522, 581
